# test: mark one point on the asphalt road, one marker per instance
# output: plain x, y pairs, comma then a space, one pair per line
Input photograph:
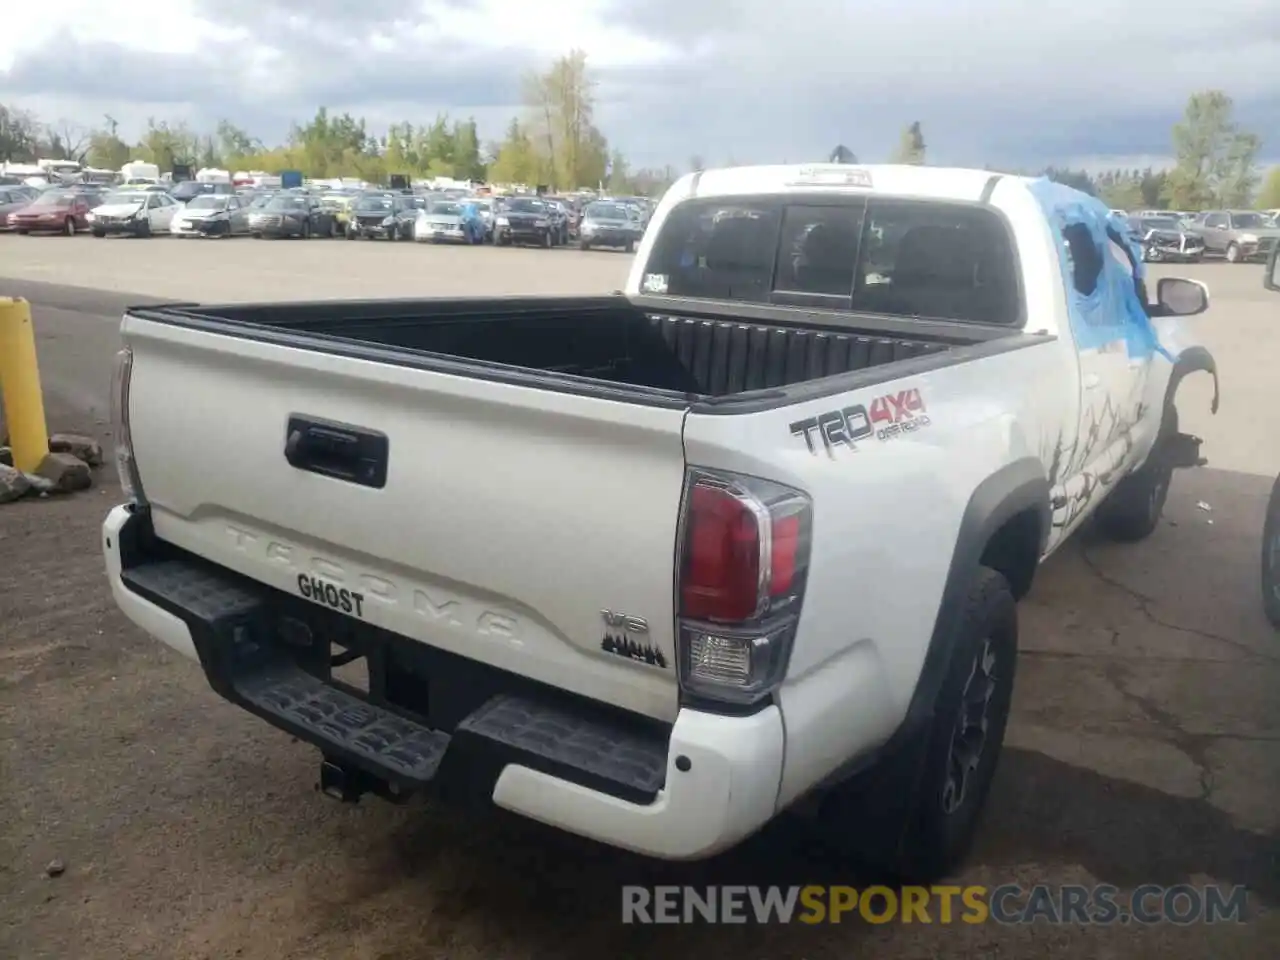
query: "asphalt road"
1145, 745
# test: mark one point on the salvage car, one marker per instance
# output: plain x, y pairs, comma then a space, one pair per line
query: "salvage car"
449, 221
339, 206
291, 214
759, 532
14, 197
1238, 235
56, 210
1165, 239
212, 215
382, 216
138, 213
561, 219
484, 207
524, 220
608, 224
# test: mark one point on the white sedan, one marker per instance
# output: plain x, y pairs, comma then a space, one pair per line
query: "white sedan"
140, 213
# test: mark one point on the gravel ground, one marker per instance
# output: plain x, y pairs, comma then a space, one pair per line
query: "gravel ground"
1145, 745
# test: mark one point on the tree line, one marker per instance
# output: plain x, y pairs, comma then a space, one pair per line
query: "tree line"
1215, 165
556, 141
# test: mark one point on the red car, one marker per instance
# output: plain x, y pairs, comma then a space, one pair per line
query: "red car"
54, 211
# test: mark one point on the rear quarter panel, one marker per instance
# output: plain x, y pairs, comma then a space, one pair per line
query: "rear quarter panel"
887, 517
886, 520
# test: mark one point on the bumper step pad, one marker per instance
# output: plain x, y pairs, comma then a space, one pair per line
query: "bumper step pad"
330, 717
229, 618
565, 741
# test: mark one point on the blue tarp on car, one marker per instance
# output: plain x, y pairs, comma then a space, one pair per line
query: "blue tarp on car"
1113, 308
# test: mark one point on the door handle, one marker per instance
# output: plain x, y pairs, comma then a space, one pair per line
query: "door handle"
1091, 381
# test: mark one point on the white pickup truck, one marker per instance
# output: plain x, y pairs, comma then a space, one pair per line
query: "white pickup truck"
656, 567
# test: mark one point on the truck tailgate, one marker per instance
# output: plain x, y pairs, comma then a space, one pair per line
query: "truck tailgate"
510, 521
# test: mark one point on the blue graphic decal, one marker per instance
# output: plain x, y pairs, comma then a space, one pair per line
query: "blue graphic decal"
1113, 310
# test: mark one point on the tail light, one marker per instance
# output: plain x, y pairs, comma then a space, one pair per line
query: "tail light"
743, 561
126, 466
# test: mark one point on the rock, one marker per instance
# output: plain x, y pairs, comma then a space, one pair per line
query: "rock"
13, 484
83, 448
68, 473
42, 486
6, 457
56, 868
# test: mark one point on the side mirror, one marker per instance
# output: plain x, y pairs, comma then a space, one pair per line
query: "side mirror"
1178, 297
1271, 280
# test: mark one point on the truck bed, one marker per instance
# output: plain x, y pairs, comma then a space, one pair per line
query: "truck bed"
698, 351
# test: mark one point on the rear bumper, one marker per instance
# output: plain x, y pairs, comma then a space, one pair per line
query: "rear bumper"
199, 228
609, 238
279, 230
129, 227
38, 226
681, 792
374, 230
524, 234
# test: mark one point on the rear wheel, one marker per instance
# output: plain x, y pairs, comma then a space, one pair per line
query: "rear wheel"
1271, 557
915, 814
99, 233
69, 227
1233, 253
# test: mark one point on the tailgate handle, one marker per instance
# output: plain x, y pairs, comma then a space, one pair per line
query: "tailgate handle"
337, 450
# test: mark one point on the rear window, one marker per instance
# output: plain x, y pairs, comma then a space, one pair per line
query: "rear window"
897, 257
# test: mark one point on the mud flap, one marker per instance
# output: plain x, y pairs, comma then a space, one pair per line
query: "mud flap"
1182, 450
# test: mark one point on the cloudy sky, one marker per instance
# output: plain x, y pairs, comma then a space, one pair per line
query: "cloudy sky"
1003, 82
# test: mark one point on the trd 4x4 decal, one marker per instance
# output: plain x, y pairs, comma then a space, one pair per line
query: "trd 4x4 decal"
885, 417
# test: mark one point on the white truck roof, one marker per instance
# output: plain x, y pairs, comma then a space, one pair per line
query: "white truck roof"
929, 182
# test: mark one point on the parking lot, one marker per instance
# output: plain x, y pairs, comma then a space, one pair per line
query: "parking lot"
1144, 748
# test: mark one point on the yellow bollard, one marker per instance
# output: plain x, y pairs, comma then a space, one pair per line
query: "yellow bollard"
20, 385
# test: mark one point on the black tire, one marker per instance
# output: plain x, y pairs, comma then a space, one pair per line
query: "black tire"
1133, 509
99, 233
914, 815
548, 241
144, 230
24, 233
1271, 557
631, 246
306, 230
69, 227
351, 234
583, 245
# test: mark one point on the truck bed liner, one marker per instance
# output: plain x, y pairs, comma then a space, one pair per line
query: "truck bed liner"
602, 338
